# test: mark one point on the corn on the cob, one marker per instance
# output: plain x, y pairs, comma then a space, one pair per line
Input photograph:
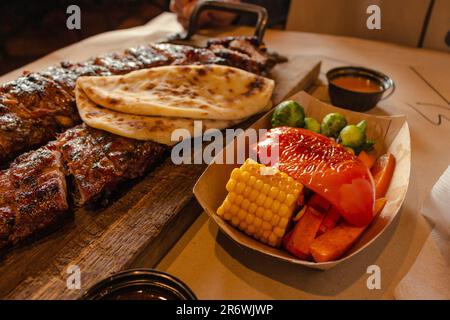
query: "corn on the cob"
260, 203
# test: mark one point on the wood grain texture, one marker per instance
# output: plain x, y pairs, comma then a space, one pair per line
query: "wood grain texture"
138, 228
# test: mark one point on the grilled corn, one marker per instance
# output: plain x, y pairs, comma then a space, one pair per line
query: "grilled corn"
260, 201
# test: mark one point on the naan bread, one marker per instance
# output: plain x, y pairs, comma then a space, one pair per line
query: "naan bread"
158, 129
193, 91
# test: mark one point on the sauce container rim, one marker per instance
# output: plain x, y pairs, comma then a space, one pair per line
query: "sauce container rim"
385, 81
138, 277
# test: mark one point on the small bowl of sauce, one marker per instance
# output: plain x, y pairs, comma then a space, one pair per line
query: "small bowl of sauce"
140, 284
358, 88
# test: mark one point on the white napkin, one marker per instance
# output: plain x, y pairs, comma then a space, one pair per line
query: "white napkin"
429, 277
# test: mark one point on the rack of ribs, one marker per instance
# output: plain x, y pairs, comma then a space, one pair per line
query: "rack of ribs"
34, 193
37, 106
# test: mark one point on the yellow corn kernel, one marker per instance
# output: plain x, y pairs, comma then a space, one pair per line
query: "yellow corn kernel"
234, 209
239, 187
239, 200
260, 212
260, 202
250, 218
267, 216
275, 220
232, 197
245, 204
275, 205
257, 222
290, 199
251, 181
273, 240
235, 173
230, 185
283, 223
258, 185
268, 203
253, 195
245, 176
281, 196
278, 232
273, 193
284, 211
241, 214
246, 192
265, 188
226, 205
266, 226
260, 199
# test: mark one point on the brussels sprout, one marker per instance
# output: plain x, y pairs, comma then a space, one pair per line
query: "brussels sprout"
332, 124
312, 125
352, 136
288, 113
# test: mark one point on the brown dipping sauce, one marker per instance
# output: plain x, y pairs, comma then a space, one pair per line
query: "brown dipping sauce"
358, 84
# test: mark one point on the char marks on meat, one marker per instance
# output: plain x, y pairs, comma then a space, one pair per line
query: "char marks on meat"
33, 195
99, 161
37, 106
33, 189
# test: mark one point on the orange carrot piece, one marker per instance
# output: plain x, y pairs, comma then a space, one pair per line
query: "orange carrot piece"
382, 172
367, 158
335, 242
299, 240
330, 220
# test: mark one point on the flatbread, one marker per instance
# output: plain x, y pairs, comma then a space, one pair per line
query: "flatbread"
194, 91
158, 129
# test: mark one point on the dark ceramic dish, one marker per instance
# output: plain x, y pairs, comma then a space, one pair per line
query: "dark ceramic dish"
140, 284
355, 100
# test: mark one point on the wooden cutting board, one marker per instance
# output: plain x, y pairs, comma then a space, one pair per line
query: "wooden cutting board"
142, 224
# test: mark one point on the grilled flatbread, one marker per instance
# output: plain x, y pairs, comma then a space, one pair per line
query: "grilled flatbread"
158, 129
194, 91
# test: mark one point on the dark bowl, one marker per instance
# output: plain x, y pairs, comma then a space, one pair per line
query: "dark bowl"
140, 284
354, 100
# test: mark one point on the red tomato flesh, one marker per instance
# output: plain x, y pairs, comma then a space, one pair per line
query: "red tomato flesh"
323, 166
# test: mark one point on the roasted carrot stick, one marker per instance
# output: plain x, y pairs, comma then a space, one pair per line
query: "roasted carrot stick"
330, 220
335, 242
367, 158
299, 240
382, 172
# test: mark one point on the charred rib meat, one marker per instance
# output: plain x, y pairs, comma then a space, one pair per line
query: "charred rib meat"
98, 161
33, 195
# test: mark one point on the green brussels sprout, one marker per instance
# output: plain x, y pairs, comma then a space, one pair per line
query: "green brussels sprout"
312, 125
332, 124
352, 136
288, 113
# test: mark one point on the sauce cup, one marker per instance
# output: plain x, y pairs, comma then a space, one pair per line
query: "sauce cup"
139, 284
358, 88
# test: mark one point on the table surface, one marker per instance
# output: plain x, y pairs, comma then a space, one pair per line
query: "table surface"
216, 268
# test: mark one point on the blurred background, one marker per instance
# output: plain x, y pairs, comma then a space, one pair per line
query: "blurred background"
30, 29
